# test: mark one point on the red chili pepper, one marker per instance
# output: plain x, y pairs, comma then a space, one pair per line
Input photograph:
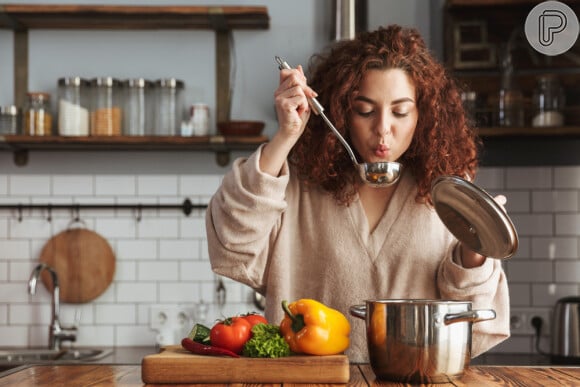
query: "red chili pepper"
202, 349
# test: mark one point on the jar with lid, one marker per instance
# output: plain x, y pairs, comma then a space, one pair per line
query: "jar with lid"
169, 106
73, 106
198, 120
137, 107
106, 112
548, 102
511, 98
9, 120
511, 108
37, 114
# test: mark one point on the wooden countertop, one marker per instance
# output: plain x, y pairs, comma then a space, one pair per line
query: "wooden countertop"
360, 376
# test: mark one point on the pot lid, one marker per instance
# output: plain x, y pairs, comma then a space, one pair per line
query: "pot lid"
474, 217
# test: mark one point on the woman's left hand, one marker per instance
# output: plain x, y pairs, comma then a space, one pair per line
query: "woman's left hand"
501, 200
470, 258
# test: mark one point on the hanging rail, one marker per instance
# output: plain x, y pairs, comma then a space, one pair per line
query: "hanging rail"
186, 207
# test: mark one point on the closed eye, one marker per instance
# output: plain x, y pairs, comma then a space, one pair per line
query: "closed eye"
400, 107
371, 112
365, 113
400, 114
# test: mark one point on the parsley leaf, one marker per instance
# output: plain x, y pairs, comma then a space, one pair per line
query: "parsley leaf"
266, 341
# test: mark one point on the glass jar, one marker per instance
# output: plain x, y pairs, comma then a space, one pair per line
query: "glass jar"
37, 115
169, 106
106, 112
73, 107
548, 102
468, 99
137, 107
9, 120
198, 119
511, 108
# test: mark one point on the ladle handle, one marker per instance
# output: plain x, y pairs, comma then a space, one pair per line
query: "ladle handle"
316, 106
319, 110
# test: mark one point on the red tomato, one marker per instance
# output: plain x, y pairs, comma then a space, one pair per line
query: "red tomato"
254, 318
231, 333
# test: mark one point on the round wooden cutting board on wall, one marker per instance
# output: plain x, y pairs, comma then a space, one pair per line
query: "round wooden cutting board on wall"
84, 262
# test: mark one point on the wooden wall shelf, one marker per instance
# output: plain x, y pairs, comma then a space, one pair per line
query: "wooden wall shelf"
220, 145
561, 131
83, 17
476, 35
489, 3
222, 19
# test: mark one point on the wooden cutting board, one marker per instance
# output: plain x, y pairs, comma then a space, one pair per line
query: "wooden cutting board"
176, 365
84, 261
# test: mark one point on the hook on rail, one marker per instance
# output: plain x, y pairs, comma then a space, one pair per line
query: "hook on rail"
138, 215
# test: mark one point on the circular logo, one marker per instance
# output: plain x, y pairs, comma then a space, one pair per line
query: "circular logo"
551, 28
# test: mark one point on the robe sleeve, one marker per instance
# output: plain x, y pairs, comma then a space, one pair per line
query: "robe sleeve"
242, 219
486, 287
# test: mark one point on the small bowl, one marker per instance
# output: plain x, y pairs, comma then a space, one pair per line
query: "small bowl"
240, 128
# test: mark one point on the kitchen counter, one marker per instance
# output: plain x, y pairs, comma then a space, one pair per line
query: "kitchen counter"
128, 355
511, 359
114, 355
134, 355
360, 375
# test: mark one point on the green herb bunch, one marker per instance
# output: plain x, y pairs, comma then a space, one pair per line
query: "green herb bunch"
266, 341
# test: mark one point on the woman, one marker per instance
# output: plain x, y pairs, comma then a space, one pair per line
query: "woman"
294, 220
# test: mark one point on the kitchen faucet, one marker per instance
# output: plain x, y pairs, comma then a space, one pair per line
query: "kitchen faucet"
56, 332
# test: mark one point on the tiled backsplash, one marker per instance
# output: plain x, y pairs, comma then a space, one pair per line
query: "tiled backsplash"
162, 258
544, 204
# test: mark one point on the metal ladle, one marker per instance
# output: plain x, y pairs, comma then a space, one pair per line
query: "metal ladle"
380, 174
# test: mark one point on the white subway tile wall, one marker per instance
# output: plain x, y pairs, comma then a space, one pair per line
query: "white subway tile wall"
543, 202
162, 260
161, 256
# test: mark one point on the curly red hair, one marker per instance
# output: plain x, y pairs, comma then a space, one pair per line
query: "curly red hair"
444, 143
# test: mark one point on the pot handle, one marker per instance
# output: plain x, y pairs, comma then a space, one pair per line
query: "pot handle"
359, 311
470, 316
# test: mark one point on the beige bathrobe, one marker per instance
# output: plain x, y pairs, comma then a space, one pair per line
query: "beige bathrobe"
289, 243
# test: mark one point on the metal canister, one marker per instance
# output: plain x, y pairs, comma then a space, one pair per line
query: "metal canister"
169, 106
73, 106
106, 111
9, 120
137, 107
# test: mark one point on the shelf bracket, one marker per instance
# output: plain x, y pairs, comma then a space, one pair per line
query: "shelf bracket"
222, 62
20, 66
223, 87
9, 20
20, 157
217, 19
222, 158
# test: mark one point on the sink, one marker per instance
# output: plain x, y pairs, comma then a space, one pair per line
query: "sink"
43, 355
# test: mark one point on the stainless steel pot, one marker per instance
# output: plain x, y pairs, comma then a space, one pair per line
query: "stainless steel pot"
566, 331
419, 341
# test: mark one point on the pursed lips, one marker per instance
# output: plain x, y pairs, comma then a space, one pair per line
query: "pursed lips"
382, 151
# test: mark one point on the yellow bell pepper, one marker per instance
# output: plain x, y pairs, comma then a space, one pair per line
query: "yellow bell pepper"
312, 328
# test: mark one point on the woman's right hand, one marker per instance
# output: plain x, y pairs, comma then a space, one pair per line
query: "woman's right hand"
293, 111
291, 100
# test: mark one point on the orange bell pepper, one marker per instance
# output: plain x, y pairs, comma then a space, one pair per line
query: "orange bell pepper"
312, 328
